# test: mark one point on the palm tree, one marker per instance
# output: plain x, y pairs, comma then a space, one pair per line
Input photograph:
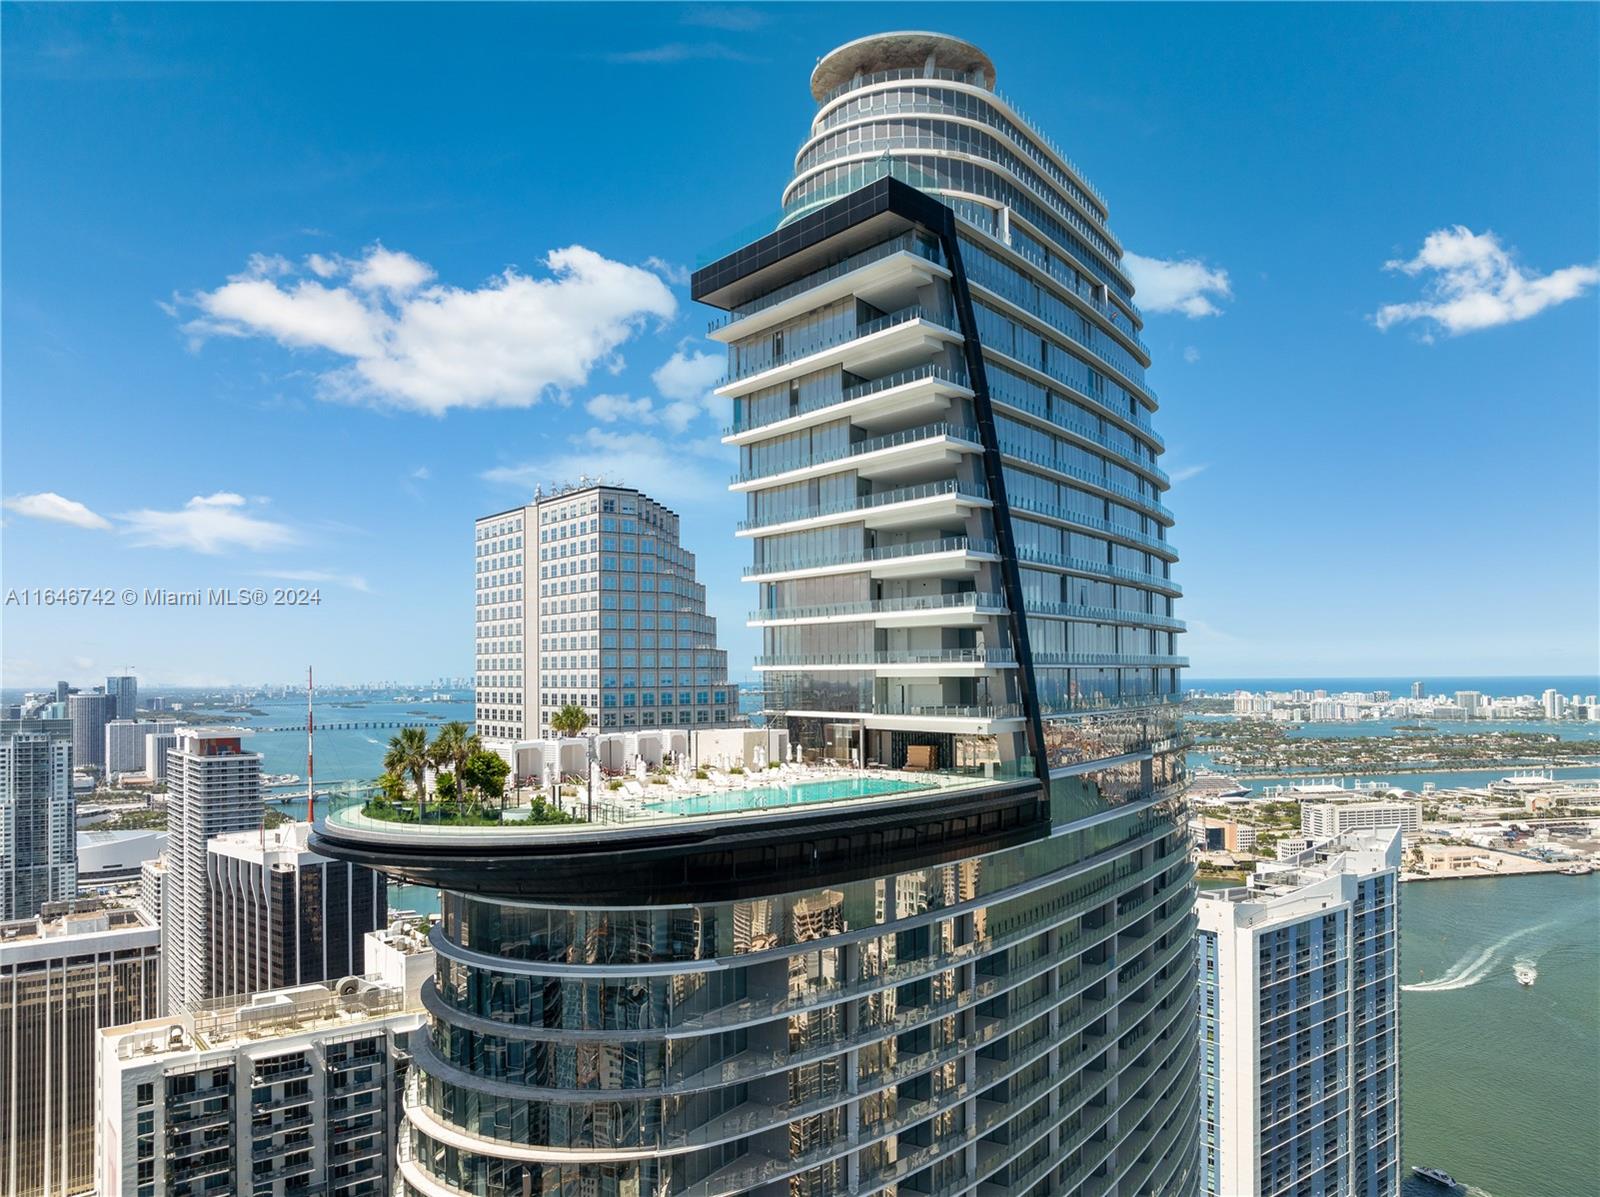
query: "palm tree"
409, 753
570, 720
451, 747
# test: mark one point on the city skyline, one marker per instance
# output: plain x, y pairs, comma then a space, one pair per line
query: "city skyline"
1261, 274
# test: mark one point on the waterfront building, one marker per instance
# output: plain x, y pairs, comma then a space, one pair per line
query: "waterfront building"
1419, 690
968, 972
156, 745
1554, 703
64, 974
1469, 701
127, 743
1300, 1025
272, 1094
89, 714
38, 816
1329, 820
125, 689
281, 915
1222, 835
213, 788
587, 596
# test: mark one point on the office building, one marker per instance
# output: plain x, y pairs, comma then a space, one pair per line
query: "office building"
213, 788
587, 596
971, 972
156, 744
38, 816
62, 690
281, 915
270, 1095
1300, 1025
89, 714
1329, 820
125, 689
64, 974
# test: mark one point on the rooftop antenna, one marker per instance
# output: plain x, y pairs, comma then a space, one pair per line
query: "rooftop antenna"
311, 800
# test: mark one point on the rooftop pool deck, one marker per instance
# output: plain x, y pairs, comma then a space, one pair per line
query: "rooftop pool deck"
640, 806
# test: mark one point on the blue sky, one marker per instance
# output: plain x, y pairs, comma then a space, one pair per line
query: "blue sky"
292, 293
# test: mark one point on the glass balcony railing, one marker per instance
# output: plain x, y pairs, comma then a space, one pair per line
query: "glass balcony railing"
848, 394
1139, 660
1011, 398
1100, 569
942, 317
893, 656
892, 552
905, 243
888, 498
1099, 481
1104, 614
893, 440
1119, 531
969, 600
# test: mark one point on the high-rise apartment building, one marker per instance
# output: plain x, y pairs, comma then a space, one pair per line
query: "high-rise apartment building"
213, 788
281, 915
127, 743
89, 714
64, 974
156, 744
38, 816
1300, 1025
125, 689
587, 596
1419, 690
296, 1091
970, 973
1330, 820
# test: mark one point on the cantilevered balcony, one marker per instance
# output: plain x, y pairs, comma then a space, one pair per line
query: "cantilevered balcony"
879, 346
887, 276
919, 610
910, 451
906, 661
907, 506
922, 392
949, 556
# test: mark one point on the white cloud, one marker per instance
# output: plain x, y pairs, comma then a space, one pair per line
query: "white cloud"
1185, 285
689, 375
1475, 283
1184, 473
422, 473
206, 524
1191, 354
675, 274
431, 347
611, 408
679, 52
47, 505
679, 472
319, 577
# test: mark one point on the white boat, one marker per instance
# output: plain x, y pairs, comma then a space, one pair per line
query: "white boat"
1437, 1175
1581, 869
1525, 974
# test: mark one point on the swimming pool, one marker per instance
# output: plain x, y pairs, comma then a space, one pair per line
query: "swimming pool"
767, 797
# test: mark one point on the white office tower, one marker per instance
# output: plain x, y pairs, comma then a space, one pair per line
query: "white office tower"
64, 975
156, 746
1300, 1025
585, 596
295, 1091
213, 788
38, 816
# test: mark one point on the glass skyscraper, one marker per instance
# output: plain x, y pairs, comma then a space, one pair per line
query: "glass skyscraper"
977, 977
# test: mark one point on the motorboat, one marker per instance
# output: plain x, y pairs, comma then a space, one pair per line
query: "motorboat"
1525, 974
1437, 1175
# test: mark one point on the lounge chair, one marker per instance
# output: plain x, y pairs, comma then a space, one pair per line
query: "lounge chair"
921, 758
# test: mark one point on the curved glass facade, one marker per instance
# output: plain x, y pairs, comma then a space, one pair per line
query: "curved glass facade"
960, 563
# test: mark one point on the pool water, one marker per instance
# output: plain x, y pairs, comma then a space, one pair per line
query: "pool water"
766, 797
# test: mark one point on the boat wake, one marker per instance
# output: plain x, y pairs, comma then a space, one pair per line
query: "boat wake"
1469, 970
